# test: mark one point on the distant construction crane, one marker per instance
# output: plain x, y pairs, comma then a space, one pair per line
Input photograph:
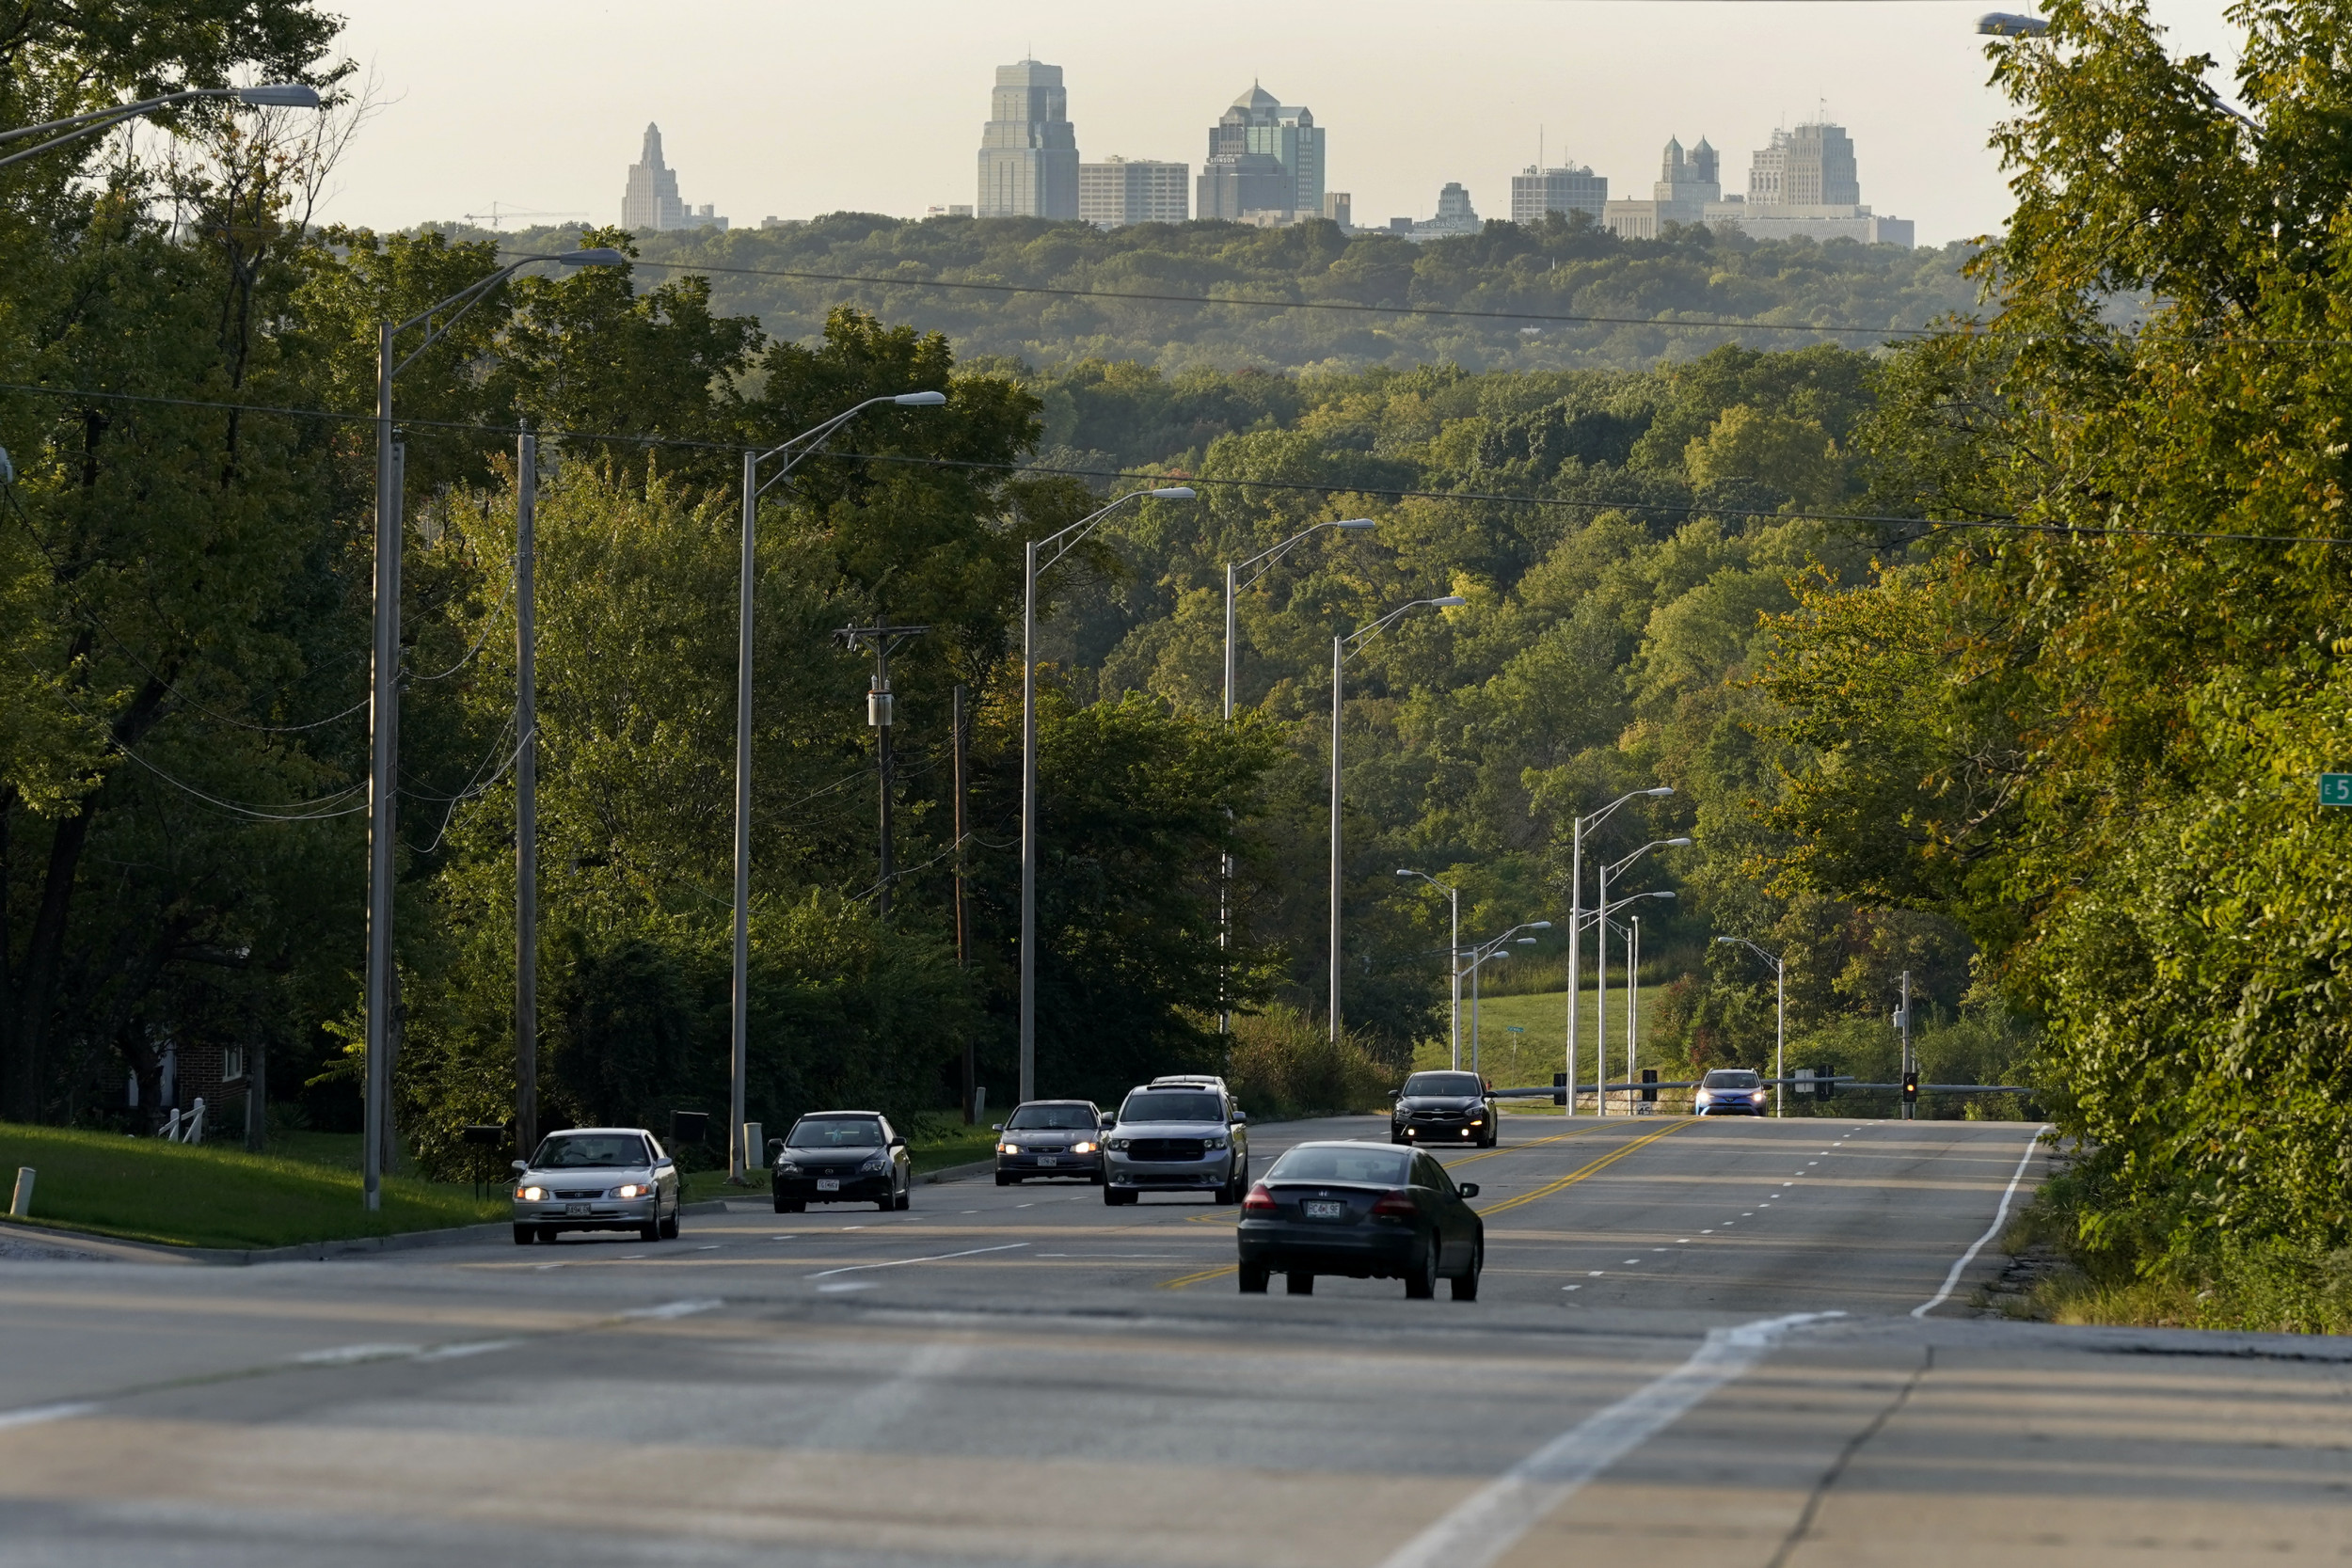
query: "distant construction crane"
497, 214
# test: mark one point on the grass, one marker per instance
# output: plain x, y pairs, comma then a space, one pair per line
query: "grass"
211, 1195
1528, 1059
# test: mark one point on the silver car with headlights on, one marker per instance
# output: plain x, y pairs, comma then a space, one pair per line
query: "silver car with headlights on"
597, 1179
1176, 1137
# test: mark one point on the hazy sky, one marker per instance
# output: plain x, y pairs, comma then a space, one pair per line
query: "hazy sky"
786, 108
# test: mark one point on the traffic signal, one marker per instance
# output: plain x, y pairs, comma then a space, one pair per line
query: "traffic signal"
1559, 1088
1910, 1088
1649, 1085
1824, 1082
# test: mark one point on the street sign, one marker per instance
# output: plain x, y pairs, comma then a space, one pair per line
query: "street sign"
2335, 789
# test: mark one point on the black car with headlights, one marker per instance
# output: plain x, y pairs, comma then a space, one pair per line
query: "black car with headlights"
1456, 1108
1730, 1092
1364, 1209
840, 1157
1050, 1138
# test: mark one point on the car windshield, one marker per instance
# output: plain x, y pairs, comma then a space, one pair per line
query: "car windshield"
1444, 1084
1066, 1118
1384, 1168
835, 1132
584, 1152
1725, 1079
1171, 1105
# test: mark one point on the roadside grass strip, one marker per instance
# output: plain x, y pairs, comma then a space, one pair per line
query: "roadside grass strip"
1547, 1189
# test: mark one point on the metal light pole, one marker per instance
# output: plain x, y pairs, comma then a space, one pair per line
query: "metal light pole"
273, 95
1265, 561
384, 695
1453, 951
526, 798
1632, 995
1576, 929
1062, 543
1341, 648
1780, 1012
1601, 963
800, 447
1479, 956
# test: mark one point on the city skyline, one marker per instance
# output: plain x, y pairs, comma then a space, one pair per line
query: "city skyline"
1571, 82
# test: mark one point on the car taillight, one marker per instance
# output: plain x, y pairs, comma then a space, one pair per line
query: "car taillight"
1395, 1206
1260, 1201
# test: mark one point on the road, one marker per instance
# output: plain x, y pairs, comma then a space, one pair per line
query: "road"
1698, 1343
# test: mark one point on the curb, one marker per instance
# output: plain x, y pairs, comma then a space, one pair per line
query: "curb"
301, 1252
958, 1173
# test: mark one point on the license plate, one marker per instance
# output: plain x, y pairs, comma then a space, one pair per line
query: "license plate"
574, 1209
1323, 1210
828, 1184
1048, 1159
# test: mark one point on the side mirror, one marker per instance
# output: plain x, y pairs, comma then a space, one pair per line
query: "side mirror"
518, 1166
1470, 1189
1241, 1117
897, 1143
997, 1127
1396, 1094
776, 1148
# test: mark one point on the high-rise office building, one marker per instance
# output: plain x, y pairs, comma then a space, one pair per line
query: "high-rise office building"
650, 200
1571, 189
1811, 165
1029, 150
1258, 127
1119, 191
1455, 216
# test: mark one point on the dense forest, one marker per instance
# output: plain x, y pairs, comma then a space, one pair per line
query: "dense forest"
1565, 295
2005, 658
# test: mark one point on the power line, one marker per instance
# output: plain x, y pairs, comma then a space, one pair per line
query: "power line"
1333, 489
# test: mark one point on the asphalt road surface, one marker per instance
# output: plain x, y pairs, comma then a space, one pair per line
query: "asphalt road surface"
1699, 1343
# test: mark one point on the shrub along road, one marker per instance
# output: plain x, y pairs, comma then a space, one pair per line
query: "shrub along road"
1697, 1343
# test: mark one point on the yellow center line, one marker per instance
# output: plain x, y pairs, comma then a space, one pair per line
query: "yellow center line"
1546, 1191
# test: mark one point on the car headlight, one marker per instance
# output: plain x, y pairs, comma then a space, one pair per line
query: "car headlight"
1117, 1146
531, 1195
876, 1166
1215, 1143
1007, 1149
1084, 1148
1478, 1122
635, 1189
1757, 1097
786, 1167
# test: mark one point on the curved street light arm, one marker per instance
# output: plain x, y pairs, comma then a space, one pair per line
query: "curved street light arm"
1272, 557
1355, 640
1065, 540
1589, 917
74, 127
1752, 947
1654, 844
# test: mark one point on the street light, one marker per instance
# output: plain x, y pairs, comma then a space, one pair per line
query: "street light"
1575, 929
1063, 544
271, 95
1341, 648
1265, 561
384, 686
1499, 948
1780, 1012
1453, 951
1600, 966
807, 444
2011, 25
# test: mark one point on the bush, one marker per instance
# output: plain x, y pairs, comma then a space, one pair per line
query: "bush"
1285, 1064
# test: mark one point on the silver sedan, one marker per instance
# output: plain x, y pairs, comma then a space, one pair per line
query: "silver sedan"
597, 1179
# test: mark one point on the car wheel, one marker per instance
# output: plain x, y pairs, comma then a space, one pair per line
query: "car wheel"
1227, 1193
649, 1232
1299, 1284
1003, 1181
1466, 1285
669, 1226
1113, 1198
783, 1206
1422, 1284
524, 1235
906, 1199
1253, 1278
548, 1234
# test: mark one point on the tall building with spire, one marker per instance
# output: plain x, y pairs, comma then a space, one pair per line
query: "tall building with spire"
650, 200
1029, 150
1687, 182
1802, 186
1263, 156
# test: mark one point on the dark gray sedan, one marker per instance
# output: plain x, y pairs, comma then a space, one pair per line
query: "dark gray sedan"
1445, 1107
840, 1157
1366, 1210
1051, 1137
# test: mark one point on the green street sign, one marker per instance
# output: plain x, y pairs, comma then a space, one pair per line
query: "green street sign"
2335, 789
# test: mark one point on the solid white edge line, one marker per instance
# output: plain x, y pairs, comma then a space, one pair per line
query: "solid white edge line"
1478, 1530
35, 1415
902, 1262
2000, 1219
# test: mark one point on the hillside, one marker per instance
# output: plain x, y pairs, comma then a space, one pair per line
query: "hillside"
1556, 270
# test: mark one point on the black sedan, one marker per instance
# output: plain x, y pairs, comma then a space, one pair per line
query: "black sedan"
1366, 1210
1051, 1137
1454, 1108
840, 1157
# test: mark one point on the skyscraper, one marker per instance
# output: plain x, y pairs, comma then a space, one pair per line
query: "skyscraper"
651, 198
1029, 150
1809, 167
1258, 127
1120, 191
1570, 189
1687, 182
